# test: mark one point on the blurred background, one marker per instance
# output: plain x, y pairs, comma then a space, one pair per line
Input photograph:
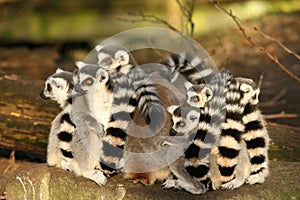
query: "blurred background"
56, 32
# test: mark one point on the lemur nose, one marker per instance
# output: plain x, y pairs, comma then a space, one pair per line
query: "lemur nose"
172, 132
42, 95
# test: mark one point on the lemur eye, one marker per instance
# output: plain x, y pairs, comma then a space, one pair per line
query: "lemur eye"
122, 58
181, 124
89, 81
195, 99
254, 97
106, 61
48, 88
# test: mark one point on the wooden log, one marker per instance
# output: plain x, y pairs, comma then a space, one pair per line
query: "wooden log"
42, 182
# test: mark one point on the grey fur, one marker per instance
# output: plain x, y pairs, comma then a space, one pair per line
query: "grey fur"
87, 142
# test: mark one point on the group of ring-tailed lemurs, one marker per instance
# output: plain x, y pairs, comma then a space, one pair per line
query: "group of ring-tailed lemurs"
114, 116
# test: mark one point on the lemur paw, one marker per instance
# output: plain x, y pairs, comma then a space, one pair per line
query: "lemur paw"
235, 183
96, 176
170, 183
256, 178
66, 165
193, 188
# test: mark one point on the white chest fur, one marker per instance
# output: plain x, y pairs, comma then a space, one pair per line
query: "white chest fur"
102, 108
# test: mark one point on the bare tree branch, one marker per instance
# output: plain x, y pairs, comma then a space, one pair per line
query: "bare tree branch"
282, 114
278, 42
188, 11
275, 101
274, 58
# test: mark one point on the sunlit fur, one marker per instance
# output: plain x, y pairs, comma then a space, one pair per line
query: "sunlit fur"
256, 134
243, 123
58, 87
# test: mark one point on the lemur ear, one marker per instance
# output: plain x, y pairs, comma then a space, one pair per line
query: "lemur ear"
245, 87
102, 76
256, 95
208, 93
193, 115
171, 109
123, 56
80, 64
99, 47
187, 85
59, 70
75, 73
257, 92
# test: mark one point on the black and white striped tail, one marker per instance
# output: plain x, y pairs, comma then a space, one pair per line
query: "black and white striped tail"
122, 113
65, 136
257, 141
147, 99
229, 142
191, 68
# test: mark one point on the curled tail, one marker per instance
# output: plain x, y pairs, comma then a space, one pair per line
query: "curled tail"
147, 99
191, 68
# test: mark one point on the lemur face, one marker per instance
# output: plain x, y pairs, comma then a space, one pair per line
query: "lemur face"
198, 95
89, 76
112, 56
57, 86
184, 119
250, 91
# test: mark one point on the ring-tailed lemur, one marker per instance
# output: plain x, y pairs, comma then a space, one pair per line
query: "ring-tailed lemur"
119, 62
255, 135
193, 69
58, 87
243, 122
92, 93
115, 115
207, 129
185, 121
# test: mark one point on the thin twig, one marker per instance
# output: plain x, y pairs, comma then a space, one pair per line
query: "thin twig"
275, 101
12, 162
148, 18
261, 77
187, 12
274, 58
282, 114
278, 42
